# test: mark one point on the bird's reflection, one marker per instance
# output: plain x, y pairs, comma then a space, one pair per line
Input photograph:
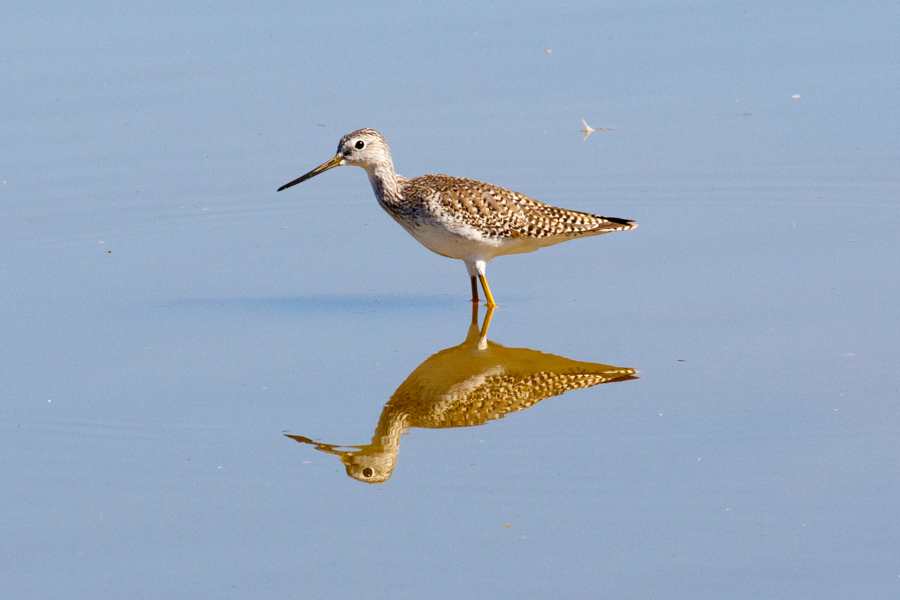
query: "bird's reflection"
469, 384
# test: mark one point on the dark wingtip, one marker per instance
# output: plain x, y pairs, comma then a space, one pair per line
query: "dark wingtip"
624, 222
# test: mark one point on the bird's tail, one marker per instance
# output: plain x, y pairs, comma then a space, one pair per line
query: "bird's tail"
619, 224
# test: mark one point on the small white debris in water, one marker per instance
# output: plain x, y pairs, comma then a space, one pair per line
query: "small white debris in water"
588, 130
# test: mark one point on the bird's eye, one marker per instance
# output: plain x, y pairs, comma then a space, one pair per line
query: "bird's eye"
360, 145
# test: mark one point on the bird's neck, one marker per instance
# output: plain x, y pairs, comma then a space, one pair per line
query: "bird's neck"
385, 184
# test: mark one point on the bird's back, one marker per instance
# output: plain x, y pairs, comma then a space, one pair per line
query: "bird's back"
502, 213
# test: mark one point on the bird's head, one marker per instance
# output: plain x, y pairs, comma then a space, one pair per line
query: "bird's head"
361, 148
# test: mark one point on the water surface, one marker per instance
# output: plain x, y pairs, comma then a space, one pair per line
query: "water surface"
169, 321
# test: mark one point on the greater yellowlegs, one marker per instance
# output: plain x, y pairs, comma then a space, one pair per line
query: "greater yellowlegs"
462, 218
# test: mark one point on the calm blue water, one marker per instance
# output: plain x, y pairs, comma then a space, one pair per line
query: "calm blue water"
168, 318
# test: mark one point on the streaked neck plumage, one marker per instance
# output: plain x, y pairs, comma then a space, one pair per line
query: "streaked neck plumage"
385, 183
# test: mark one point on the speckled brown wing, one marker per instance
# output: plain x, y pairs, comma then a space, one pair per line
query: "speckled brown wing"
503, 213
502, 394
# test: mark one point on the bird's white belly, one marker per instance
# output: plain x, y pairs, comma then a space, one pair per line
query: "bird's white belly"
462, 241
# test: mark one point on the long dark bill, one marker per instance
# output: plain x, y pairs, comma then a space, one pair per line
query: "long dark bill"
334, 162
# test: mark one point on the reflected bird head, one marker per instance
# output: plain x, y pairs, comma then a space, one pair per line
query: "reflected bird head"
372, 463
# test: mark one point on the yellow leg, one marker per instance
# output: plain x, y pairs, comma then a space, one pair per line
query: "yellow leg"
487, 321
487, 290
